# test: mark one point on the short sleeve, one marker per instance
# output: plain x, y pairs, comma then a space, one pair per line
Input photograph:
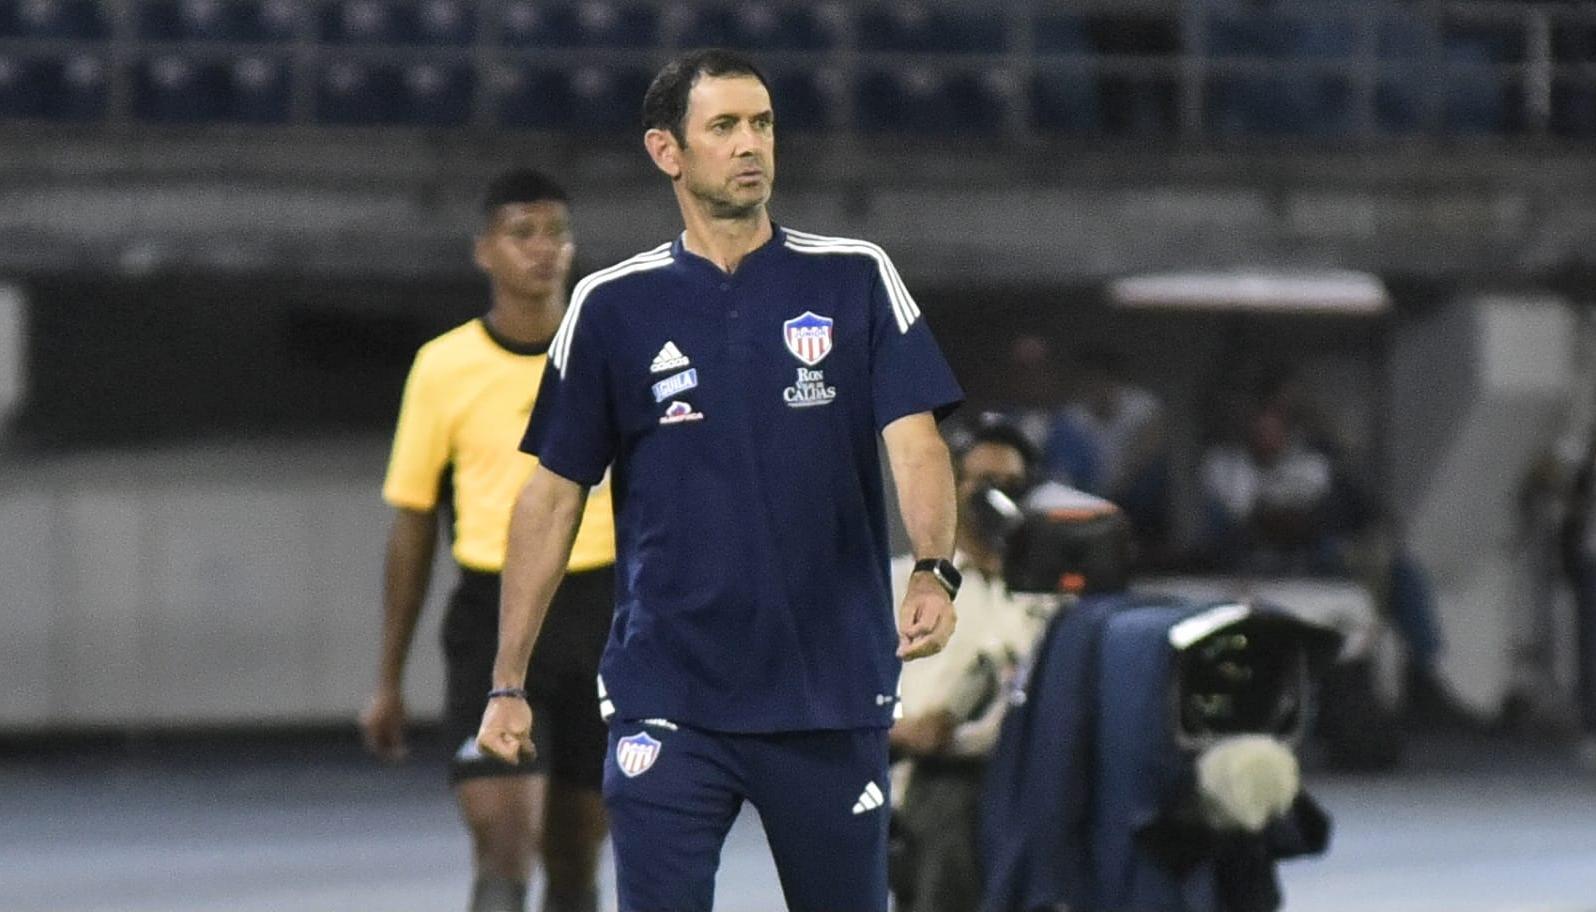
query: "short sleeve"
420, 442
572, 429
908, 374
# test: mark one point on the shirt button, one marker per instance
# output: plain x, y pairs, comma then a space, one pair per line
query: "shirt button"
725, 286
732, 314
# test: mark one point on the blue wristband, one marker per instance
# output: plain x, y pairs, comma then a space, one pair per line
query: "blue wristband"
518, 693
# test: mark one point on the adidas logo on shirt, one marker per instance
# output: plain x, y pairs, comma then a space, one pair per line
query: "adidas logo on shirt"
669, 358
870, 799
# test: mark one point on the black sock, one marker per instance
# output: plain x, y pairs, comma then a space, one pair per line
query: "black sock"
498, 894
572, 902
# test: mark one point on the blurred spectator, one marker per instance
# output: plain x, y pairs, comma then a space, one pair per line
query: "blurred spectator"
1579, 565
1111, 441
1266, 495
953, 701
1280, 499
1031, 395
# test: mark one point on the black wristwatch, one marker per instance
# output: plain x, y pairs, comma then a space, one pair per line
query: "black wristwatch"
943, 571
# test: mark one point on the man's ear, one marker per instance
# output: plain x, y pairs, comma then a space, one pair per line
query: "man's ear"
479, 252
665, 152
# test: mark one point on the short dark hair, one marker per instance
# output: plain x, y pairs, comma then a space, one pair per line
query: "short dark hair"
665, 102
999, 430
521, 185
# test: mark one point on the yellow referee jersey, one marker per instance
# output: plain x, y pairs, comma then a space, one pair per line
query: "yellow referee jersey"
465, 409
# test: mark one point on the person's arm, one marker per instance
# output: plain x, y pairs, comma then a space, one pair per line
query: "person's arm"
407, 572
542, 529
922, 471
925, 735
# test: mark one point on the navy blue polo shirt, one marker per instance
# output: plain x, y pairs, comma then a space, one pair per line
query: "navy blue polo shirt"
739, 415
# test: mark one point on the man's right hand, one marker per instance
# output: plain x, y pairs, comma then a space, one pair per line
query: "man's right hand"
506, 731
382, 725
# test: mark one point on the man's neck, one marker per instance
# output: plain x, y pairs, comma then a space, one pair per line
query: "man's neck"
526, 321
724, 241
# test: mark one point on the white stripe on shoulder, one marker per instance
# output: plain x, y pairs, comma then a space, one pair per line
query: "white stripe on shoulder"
560, 348
903, 306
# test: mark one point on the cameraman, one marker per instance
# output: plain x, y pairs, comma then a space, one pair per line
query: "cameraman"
953, 702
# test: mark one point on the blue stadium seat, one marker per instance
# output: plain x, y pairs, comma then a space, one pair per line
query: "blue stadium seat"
370, 22
1139, 106
919, 27
161, 20
445, 22
1286, 102
979, 103
1064, 100
175, 89
357, 92
75, 88
21, 88
590, 99
534, 97
593, 23
259, 90
805, 102
1405, 47
913, 99
1574, 41
759, 26
438, 94
1574, 110
1477, 99
608, 100
81, 19
253, 21
277, 20
1059, 33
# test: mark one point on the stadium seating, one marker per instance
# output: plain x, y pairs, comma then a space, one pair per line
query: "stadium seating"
352, 91
1298, 102
924, 28
177, 89
1064, 100
759, 26
926, 100
423, 22
370, 22
805, 101
73, 88
68, 19
259, 90
252, 21
1274, 70
1573, 90
589, 99
437, 94
19, 88
593, 23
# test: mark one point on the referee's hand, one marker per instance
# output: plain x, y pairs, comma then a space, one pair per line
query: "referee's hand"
926, 619
506, 731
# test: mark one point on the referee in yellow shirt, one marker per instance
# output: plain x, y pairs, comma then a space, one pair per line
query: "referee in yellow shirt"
465, 409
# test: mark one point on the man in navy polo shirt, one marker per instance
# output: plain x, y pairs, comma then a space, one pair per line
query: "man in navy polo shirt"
735, 383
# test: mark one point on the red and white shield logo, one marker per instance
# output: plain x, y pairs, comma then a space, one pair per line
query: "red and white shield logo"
636, 753
808, 337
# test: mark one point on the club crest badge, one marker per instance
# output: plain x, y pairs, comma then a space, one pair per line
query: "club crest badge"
808, 337
634, 754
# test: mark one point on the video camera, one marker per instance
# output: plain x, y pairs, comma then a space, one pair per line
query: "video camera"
1055, 539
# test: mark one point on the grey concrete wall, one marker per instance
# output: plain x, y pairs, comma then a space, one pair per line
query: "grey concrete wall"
208, 586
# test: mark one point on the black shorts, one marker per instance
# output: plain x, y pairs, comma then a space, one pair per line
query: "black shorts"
562, 680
